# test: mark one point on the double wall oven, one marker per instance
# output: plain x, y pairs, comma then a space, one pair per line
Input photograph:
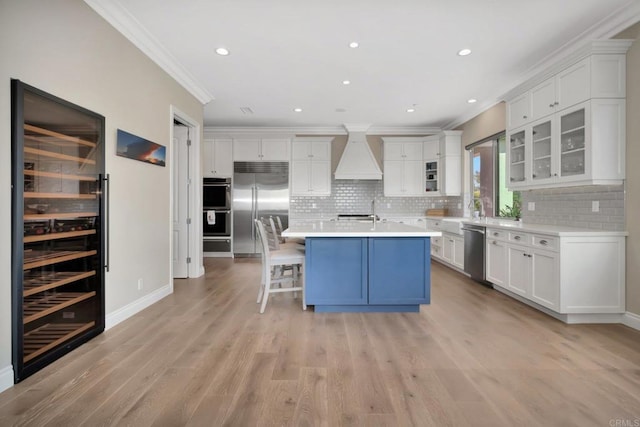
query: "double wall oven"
216, 214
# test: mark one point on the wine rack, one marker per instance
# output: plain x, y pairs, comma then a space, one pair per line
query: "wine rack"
58, 227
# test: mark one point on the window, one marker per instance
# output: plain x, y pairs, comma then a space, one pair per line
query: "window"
490, 196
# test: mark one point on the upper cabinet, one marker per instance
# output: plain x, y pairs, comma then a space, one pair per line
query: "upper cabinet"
311, 166
569, 128
418, 166
218, 158
261, 149
403, 167
442, 164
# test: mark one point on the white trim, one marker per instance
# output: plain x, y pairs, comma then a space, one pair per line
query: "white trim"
6, 378
123, 21
570, 318
122, 314
608, 27
217, 254
196, 267
226, 131
631, 320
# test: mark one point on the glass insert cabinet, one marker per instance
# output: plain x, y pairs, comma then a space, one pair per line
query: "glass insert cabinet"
58, 227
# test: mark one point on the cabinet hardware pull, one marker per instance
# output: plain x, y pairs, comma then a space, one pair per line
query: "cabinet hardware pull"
495, 233
516, 237
534, 175
495, 243
107, 196
550, 105
523, 254
556, 103
524, 117
543, 242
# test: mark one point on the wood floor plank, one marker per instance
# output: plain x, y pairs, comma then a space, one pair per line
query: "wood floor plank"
246, 408
311, 407
204, 356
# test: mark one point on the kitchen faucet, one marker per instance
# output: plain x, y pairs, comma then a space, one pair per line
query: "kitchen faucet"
373, 211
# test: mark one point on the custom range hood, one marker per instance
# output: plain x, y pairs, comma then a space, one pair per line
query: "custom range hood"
357, 161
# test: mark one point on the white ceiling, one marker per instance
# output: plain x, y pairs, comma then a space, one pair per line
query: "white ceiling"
294, 53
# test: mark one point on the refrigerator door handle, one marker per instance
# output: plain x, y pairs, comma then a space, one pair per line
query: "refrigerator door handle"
254, 212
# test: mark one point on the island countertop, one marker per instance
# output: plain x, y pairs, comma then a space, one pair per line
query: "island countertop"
355, 229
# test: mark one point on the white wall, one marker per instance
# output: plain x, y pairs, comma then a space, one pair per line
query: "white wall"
66, 49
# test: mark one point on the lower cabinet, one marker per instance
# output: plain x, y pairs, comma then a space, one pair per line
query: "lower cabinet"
568, 274
453, 250
376, 273
496, 262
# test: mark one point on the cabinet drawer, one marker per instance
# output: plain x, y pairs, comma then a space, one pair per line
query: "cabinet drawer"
521, 238
546, 242
497, 234
436, 241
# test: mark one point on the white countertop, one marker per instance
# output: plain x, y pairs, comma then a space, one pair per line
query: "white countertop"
555, 230
356, 229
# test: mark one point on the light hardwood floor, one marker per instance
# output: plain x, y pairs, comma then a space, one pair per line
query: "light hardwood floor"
205, 357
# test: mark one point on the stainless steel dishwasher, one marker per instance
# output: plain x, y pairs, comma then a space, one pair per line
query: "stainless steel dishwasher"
474, 251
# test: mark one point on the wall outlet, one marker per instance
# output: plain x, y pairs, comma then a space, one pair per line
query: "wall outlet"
140, 284
531, 206
595, 206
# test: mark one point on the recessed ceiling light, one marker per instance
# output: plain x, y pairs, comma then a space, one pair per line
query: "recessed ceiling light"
298, 110
464, 52
410, 110
353, 45
472, 101
222, 51
346, 82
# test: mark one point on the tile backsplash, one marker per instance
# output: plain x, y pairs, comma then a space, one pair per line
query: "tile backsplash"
572, 206
355, 196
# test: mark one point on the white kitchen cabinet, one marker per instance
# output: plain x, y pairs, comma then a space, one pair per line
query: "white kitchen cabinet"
311, 167
569, 87
443, 164
566, 127
450, 163
581, 145
261, 149
449, 248
403, 167
519, 110
217, 158
496, 261
576, 275
534, 274
518, 271
595, 72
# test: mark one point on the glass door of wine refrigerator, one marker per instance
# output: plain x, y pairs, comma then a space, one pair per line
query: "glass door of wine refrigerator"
58, 218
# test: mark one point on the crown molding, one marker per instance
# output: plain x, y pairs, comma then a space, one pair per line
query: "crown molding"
124, 22
471, 113
606, 28
316, 130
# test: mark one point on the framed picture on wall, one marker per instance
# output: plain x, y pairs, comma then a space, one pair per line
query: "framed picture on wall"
137, 148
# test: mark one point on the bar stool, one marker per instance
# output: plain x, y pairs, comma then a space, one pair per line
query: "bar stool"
279, 229
273, 272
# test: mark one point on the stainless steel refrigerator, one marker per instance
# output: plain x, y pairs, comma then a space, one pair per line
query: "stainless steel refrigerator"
260, 189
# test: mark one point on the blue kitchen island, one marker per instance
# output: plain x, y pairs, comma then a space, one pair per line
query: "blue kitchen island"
365, 266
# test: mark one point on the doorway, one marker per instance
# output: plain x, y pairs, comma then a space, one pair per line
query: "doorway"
185, 197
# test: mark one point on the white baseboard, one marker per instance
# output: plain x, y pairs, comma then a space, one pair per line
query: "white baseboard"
6, 378
631, 320
112, 319
570, 318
